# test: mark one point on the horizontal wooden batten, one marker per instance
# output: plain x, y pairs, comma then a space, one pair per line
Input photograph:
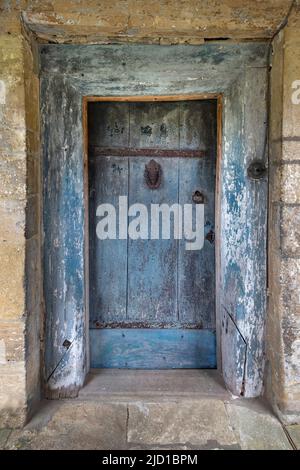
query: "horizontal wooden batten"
145, 152
153, 349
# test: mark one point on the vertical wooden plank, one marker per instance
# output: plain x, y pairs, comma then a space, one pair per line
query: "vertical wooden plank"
218, 240
233, 216
86, 227
108, 258
154, 125
63, 223
152, 264
244, 212
198, 125
108, 124
196, 269
256, 122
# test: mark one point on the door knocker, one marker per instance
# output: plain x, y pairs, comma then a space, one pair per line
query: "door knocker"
153, 174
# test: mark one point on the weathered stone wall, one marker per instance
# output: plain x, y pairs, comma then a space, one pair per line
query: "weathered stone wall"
283, 339
20, 274
168, 21
12, 227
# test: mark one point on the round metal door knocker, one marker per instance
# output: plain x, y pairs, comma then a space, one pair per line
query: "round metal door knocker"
153, 174
257, 170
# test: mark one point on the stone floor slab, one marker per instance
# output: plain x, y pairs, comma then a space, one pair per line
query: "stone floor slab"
294, 433
202, 424
75, 425
4, 435
256, 428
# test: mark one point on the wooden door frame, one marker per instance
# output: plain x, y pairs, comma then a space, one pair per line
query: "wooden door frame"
234, 74
218, 97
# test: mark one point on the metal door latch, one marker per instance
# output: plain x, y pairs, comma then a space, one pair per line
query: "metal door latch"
198, 197
210, 236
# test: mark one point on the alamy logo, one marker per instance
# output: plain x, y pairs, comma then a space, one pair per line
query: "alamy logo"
137, 222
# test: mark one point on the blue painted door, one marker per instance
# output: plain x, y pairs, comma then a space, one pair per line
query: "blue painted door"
152, 301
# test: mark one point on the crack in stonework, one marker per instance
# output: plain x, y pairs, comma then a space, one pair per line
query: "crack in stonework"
127, 424
289, 437
284, 22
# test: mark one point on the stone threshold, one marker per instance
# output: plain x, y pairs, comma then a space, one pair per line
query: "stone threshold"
121, 384
180, 410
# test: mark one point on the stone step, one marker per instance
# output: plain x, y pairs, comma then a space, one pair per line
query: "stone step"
152, 410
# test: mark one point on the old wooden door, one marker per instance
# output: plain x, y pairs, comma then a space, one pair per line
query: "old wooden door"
152, 301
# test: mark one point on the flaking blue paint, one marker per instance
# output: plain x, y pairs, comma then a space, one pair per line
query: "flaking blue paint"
153, 349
